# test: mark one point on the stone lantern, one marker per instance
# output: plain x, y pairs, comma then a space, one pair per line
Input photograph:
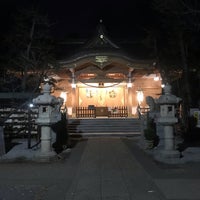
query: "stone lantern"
49, 113
167, 119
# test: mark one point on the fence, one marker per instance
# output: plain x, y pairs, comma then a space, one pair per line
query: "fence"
85, 112
90, 112
19, 123
119, 111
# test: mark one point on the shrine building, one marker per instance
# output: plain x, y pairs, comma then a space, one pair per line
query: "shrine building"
102, 80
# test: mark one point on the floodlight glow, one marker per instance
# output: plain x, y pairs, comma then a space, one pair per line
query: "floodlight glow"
140, 96
64, 96
129, 85
162, 85
31, 105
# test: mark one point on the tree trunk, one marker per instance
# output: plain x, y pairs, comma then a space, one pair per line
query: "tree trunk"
28, 56
186, 93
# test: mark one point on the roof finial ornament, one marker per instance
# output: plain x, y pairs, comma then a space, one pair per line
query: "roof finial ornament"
101, 32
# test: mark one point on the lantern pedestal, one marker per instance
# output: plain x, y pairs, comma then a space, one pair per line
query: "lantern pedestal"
167, 120
49, 113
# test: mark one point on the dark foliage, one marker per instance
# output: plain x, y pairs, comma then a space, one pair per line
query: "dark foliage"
150, 132
60, 128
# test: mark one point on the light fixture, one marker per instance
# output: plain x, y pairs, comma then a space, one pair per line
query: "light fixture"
129, 84
156, 78
162, 85
31, 105
64, 96
73, 83
140, 96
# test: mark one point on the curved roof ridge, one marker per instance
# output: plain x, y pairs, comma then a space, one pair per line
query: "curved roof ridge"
100, 39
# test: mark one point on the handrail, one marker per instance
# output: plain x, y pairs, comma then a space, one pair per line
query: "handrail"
142, 112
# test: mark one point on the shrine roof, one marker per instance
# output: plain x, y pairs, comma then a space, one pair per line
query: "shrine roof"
101, 45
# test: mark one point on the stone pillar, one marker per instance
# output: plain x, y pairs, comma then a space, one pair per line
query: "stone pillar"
48, 114
159, 132
46, 144
169, 138
167, 119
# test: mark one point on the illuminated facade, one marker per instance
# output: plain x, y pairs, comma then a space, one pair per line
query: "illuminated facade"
102, 75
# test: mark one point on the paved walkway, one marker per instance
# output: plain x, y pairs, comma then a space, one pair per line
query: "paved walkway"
101, 169
108, 171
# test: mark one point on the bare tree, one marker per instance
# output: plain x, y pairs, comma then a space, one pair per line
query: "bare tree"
180, 23
30, 45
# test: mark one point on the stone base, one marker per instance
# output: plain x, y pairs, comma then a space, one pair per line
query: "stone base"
45, 157
167, 156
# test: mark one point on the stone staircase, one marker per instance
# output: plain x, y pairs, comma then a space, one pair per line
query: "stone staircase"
104, 126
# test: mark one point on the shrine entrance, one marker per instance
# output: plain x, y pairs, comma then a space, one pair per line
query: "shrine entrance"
107, 96
102, 102
101, 80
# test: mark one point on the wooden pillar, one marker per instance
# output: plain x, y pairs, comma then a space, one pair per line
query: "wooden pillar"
73, 85
130, 93
73, 102
130, 102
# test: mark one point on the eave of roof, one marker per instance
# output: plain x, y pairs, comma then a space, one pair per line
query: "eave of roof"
101, 45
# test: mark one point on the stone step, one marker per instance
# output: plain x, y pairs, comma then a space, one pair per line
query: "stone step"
107, 125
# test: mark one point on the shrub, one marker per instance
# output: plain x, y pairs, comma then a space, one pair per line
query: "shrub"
150, 133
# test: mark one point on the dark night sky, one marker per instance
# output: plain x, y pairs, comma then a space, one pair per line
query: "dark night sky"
124, 18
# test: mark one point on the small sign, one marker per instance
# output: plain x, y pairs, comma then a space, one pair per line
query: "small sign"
196, 114
192, 110
101, 59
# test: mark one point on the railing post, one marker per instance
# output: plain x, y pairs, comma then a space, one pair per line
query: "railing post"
29, 128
